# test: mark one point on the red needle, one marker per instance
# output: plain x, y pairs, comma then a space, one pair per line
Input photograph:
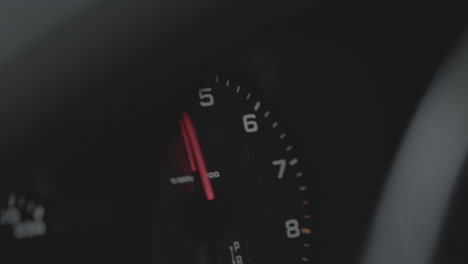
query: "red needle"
194, 145
188, 147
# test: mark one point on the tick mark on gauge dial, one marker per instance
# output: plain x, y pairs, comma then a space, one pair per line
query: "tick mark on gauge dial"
293, 162
306, 231
257, 106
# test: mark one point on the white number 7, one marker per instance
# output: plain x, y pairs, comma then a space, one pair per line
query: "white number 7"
282, 167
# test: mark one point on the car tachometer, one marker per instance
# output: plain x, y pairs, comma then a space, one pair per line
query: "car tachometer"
234, 190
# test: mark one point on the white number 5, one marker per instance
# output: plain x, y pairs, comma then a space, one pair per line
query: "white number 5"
206, 98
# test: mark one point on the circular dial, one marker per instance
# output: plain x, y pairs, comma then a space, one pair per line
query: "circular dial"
234, 190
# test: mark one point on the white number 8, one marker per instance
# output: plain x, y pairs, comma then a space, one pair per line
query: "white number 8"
292, 228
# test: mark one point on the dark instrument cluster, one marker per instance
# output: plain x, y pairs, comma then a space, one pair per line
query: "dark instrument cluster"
208, 132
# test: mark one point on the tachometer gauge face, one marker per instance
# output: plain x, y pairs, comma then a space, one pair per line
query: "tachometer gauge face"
234, 190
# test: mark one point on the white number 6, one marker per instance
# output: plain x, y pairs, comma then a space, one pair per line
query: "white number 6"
250, 125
